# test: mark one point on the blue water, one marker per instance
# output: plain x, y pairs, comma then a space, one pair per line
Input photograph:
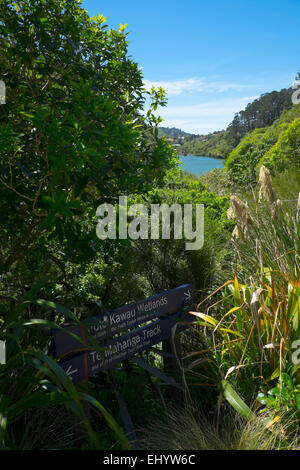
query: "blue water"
199, 165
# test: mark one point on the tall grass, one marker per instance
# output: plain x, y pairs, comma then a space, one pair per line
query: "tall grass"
272, 226
248, 327
250, 333
31, 381
192, 430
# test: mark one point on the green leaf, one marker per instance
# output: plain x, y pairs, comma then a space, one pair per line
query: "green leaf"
236, 401
58, 308
109, 419
38, 400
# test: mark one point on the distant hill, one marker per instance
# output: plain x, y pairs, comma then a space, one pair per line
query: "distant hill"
173, 133
262, 112
208, 145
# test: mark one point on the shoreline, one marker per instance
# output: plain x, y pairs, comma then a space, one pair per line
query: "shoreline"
203, 156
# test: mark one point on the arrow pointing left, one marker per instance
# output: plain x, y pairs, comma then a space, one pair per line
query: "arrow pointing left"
69, 372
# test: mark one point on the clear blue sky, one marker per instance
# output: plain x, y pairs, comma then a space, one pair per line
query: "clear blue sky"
211, 56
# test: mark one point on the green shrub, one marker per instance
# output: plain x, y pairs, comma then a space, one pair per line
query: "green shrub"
253, 149
285, 154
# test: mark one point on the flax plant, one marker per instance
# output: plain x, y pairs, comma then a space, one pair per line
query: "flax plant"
250, 325
250, 335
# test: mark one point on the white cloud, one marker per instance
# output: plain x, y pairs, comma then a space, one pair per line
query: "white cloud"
205, 117
212, 114
191, 85
177, 87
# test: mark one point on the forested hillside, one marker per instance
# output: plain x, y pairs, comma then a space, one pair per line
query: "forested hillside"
276, 146
209, 145
261, 112
173, 133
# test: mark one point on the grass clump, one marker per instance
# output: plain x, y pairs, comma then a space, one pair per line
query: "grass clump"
194, 430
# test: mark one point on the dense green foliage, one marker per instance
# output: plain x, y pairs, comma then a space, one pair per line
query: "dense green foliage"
169, 263
72, 136
266, 146
261, 112
285, 154
218, 181
145, 267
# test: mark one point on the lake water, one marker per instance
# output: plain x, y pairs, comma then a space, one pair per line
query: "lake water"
199, 165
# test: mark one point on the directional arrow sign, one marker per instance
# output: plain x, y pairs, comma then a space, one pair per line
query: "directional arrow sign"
124, 318
119, 349
187, 295
75, 369
71, 371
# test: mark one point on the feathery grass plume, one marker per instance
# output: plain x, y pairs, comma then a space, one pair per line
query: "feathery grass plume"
183, 429
273, 239
237, 232
239, 210
275, 210
230, 213
195, 430
266, 191
266, 432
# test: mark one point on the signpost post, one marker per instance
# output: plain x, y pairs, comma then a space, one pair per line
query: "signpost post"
160, 316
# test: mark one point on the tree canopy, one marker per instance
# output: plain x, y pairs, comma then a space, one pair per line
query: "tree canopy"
72, 131
262, 112
275, 146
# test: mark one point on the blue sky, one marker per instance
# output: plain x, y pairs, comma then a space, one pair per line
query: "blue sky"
211, 56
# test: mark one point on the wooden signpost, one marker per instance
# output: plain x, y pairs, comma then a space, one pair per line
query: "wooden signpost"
115, 349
